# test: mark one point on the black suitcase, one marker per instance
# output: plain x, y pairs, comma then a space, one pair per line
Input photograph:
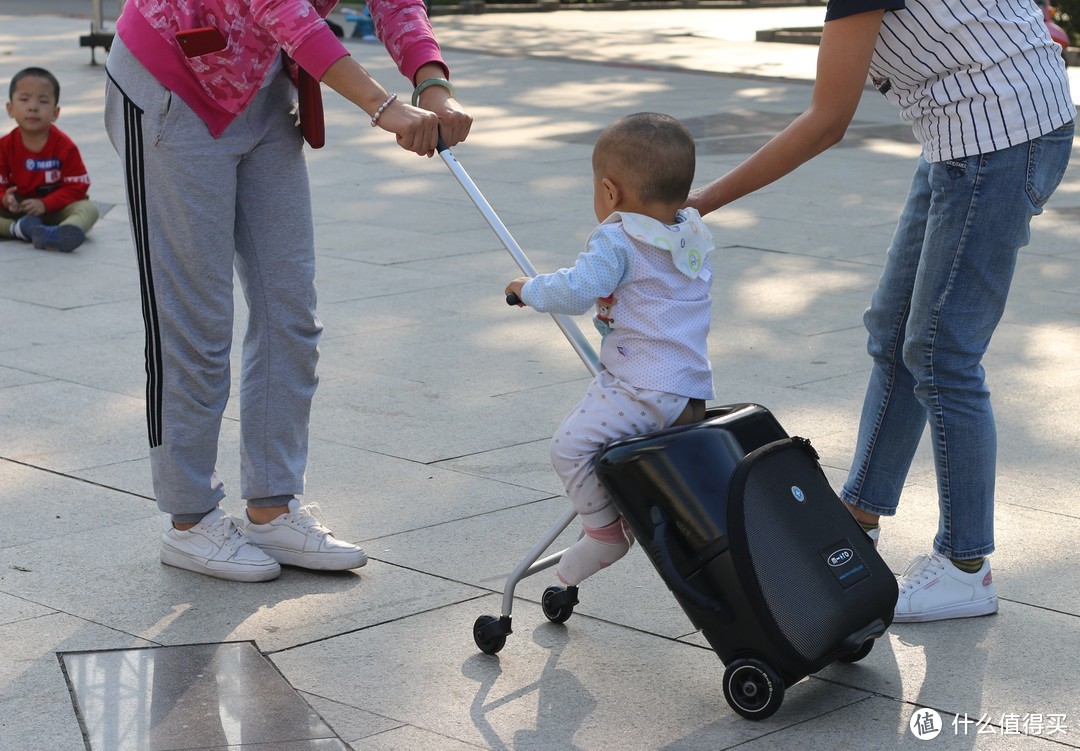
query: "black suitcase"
742, 525
746, 531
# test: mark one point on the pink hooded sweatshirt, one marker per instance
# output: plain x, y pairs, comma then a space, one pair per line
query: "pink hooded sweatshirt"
219, 85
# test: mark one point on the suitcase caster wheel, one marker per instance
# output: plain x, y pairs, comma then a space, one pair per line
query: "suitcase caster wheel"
859, 653
558, 603
753, 688
489, 634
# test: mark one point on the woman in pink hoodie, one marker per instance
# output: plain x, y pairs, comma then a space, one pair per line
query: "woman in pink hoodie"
200, 105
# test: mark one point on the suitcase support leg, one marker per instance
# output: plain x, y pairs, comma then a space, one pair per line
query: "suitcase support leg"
490, 632
532, 563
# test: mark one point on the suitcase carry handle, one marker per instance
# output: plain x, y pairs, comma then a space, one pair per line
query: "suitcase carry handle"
677, 582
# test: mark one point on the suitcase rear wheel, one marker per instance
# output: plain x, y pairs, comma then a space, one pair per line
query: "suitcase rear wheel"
558, 603
753, 688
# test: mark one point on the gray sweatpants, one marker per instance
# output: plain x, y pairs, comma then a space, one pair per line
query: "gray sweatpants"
198, 206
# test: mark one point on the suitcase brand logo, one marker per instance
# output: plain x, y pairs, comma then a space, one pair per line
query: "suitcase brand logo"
796, 491
844, 563
841, 556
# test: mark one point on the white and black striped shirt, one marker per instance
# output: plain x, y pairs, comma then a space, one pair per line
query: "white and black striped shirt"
972, 76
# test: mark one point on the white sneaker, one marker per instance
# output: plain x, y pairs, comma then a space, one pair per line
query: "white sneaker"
933, 589
216, 547
298, 539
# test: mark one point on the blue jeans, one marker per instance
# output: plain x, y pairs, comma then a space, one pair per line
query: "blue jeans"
940, 297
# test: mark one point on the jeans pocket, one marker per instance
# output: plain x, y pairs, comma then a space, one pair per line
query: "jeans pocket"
1048, 156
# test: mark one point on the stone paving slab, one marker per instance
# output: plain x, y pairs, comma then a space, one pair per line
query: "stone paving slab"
585, 686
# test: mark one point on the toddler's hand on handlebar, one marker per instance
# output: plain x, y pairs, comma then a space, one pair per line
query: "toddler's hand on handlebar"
513, 291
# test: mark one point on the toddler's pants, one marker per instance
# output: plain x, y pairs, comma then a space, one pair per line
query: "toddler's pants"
610, 409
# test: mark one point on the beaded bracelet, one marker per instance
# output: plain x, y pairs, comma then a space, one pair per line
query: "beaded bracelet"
382, 108
428, 83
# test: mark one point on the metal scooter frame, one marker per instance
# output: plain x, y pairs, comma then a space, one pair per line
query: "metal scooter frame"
490, 632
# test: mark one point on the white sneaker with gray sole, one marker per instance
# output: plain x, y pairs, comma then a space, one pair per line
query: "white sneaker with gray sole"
298, 539
216, 547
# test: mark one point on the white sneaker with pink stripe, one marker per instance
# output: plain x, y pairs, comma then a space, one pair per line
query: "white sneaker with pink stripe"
933, 589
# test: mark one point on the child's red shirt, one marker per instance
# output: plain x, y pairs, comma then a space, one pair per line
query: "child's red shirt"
56, 174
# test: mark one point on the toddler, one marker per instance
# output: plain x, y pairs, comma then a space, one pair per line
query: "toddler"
646, 270
43, 182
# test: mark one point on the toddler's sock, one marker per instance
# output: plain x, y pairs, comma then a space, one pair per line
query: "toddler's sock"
598, 549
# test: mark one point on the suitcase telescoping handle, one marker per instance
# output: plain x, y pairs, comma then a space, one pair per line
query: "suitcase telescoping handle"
570, 329
676, 581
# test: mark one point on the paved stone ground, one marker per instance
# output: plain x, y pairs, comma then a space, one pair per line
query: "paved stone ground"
436, 402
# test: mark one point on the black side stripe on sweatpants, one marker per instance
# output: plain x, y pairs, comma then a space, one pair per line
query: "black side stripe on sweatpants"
136, 190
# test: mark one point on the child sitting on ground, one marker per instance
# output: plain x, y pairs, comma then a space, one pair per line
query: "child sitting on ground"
646, 270
43, 183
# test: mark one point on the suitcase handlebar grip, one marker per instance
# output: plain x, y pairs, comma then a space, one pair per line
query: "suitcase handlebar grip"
678, 584
513, 299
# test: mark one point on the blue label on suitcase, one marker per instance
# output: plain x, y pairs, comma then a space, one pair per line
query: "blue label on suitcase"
844, 563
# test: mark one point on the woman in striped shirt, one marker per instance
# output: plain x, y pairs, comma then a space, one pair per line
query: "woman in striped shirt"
986, 93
